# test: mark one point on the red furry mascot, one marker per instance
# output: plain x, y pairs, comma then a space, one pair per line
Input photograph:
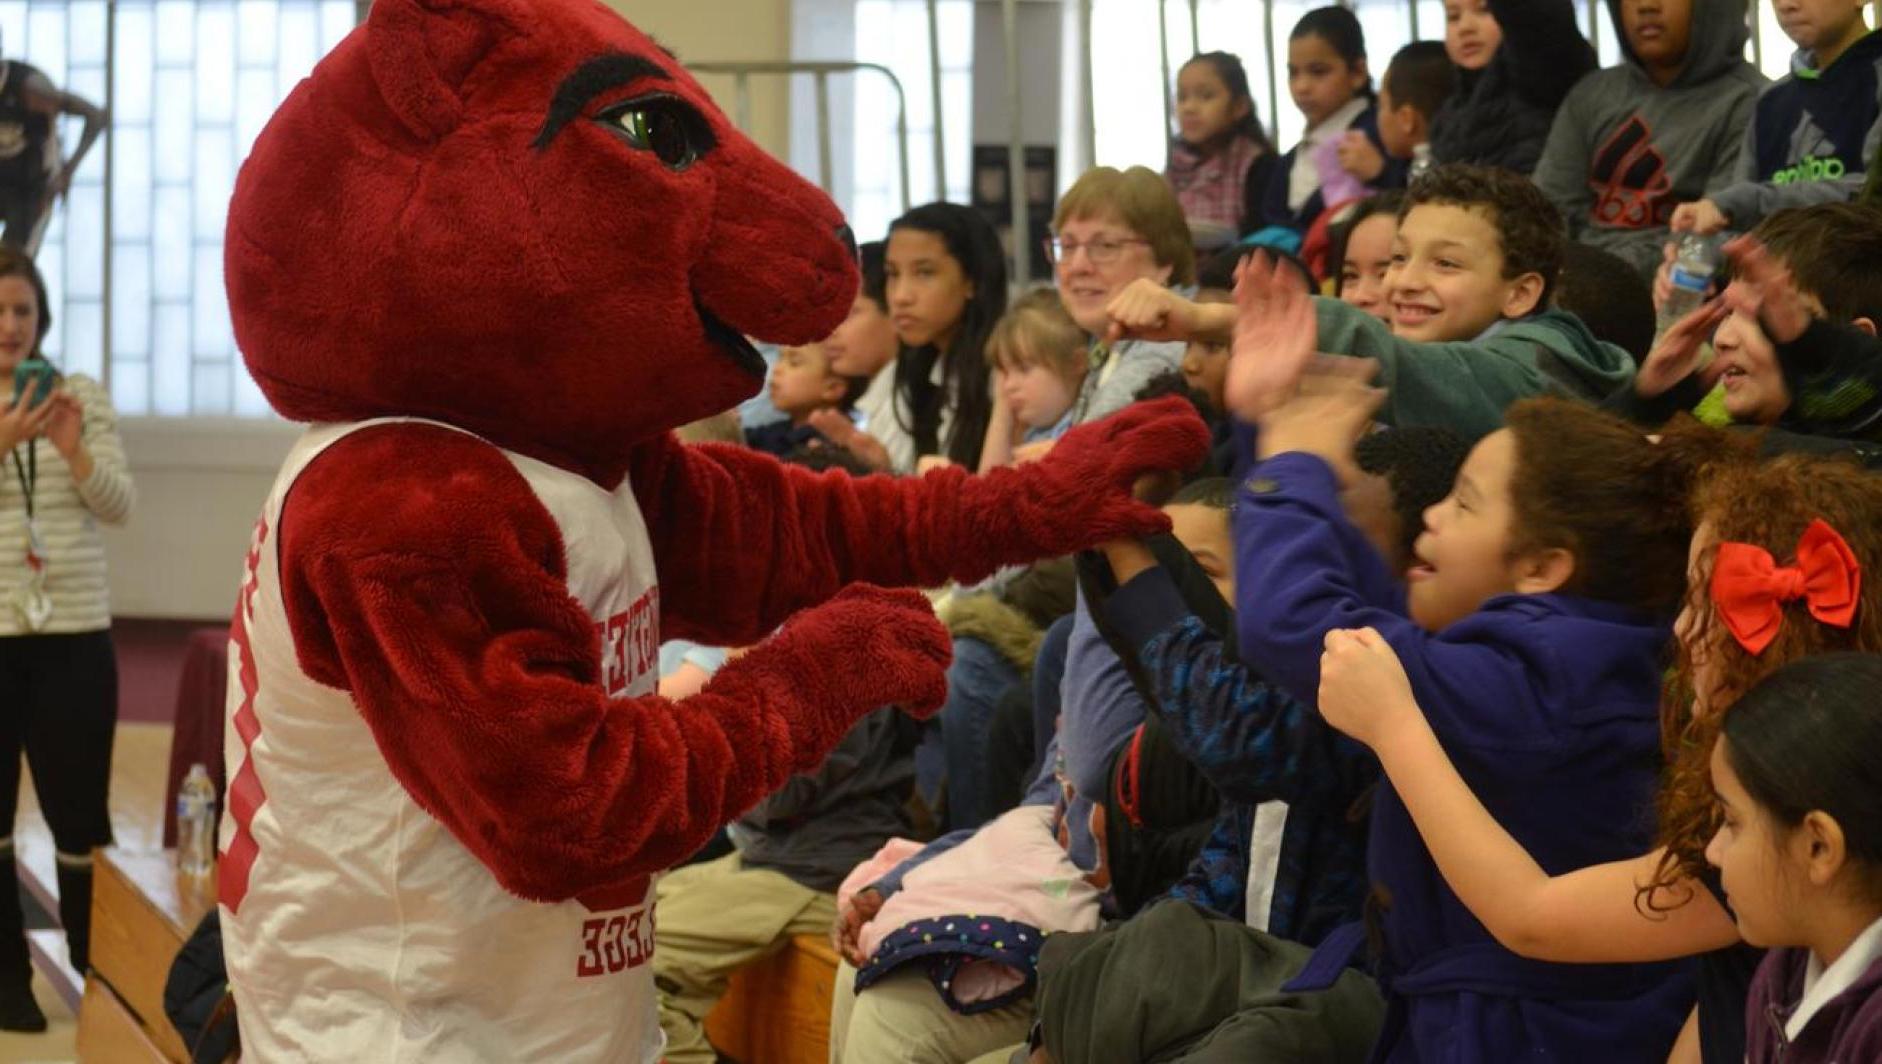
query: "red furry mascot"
492, 251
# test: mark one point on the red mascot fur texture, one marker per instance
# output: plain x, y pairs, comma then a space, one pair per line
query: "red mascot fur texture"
494, 250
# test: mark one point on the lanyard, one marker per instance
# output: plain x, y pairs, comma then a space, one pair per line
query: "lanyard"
28, 473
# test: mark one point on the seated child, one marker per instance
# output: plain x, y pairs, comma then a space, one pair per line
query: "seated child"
1832, 256
1285, 855
872, 1021
864, 345
802, 383
1327, 77
1220, 159
1039, 361
1417, 83
1812, 131
789, 854
1632, 142
1206, 361
1799, 851
1532, 631
1362, 254
1666, 903
1516, 61
1474, 263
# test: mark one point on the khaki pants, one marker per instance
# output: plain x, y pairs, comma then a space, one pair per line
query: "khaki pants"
711, 920
903, 1019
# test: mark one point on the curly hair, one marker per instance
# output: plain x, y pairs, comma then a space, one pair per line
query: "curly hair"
1768, 505
1529, 227
1592, 484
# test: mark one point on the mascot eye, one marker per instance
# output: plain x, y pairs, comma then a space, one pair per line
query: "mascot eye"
663, 127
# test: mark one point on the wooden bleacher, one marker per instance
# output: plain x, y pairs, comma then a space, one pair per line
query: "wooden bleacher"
142, 911
777, 1011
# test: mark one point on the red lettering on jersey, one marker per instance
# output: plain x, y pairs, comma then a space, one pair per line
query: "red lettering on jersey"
245, 793
613, 944
630, 643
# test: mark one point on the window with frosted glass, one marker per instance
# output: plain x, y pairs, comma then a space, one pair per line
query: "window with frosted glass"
195, 80
894, 33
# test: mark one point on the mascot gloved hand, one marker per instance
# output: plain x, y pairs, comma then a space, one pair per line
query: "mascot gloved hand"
492, 251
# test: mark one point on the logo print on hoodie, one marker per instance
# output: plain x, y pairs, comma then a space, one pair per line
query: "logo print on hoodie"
1629, 179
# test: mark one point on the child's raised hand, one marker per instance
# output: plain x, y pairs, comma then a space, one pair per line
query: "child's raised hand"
1364, 691
1765, 289
1330, 410
1676, 354
1700, 216
1146, 310
1275, 336
1359, 158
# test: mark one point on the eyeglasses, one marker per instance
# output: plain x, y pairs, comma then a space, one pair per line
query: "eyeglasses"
1099, 251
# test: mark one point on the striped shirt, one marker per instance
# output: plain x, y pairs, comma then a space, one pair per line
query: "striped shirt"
68, 515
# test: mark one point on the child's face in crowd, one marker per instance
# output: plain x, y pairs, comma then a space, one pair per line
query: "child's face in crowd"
1753, 383
1817, 24
1368, 258
1319, 78
928, 290
1205, 368
1757, 860
1204, 533
1398, 126
1037, 394
801, 381
1471, 33
1204, 108
1446, 280
1101, 256
1658, 31
864, 343
1463, 558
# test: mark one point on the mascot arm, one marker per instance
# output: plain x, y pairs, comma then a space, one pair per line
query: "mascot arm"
422, 576
742, 541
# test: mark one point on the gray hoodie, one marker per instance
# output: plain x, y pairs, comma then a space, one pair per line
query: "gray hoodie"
1624, 152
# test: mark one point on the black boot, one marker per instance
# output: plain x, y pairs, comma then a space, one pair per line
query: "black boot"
18, 1010
75, 909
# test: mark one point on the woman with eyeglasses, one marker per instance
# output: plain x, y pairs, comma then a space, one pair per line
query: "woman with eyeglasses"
1113, 227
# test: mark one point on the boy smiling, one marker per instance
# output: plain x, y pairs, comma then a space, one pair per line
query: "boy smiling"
1473, 269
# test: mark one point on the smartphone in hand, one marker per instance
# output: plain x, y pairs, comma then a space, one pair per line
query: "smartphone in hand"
34, 378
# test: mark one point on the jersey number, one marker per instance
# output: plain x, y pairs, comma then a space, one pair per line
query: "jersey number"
615, 943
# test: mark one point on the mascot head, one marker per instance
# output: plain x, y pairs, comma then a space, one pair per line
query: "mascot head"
524, 218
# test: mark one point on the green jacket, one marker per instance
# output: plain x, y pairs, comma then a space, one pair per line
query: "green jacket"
1465, 386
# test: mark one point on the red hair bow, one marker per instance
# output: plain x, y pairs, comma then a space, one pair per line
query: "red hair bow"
1750, 588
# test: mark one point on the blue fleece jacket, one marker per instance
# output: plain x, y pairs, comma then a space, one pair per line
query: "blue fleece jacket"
1548, 705
1258, 746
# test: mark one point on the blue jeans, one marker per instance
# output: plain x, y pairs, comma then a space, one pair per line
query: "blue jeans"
954, 749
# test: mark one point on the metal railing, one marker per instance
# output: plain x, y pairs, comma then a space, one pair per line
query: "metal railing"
821, 71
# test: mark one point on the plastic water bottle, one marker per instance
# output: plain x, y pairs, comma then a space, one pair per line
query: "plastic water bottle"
1420, 161
196, 823
1694, 263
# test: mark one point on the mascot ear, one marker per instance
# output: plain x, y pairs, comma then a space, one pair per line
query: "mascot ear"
421, 51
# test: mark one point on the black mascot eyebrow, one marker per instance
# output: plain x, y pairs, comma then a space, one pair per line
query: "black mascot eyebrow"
597, 76
452, 779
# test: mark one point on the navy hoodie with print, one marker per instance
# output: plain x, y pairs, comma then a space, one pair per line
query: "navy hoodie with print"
1625, 151
1812, 136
